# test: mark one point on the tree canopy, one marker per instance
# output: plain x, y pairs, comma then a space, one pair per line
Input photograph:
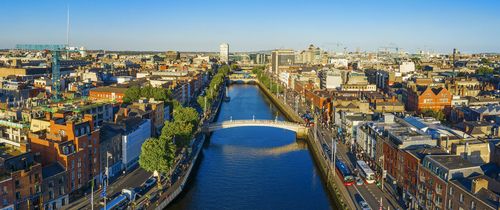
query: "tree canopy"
157, 154
134, 93
484, 70
179, 131
437, 114
186, 115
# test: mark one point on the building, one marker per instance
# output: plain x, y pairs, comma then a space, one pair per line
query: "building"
20, 179
331, 79
108, 94
172, 56
135, 132
434, 175
474, 192
73, 142
422, 98
224, 52
110, 147
407, 67
54, 186
281, 60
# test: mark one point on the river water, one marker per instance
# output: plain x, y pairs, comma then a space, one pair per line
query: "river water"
254, 167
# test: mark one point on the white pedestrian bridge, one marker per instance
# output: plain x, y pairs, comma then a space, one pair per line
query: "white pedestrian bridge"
299, 129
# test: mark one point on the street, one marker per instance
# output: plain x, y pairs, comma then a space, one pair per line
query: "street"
130, 180
368, 192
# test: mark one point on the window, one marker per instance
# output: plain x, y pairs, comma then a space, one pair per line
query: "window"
427, 101
450, 206
451, 191
461, 198
472, 205
18, 195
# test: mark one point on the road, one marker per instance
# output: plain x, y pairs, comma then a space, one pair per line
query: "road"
131, 179
368, 192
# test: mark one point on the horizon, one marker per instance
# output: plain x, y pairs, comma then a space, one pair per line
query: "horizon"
255, 26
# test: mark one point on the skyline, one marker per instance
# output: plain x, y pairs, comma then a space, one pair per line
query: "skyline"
254, 26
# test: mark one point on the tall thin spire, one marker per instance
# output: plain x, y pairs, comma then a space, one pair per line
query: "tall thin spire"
67, 31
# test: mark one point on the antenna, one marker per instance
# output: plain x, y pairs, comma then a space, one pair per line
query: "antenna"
67, 32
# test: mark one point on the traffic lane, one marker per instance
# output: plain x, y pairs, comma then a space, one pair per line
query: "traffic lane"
132, 179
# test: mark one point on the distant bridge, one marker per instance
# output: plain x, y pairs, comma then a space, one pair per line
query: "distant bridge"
300, 130
242, 78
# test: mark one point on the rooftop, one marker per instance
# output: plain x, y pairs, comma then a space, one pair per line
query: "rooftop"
52, 169
452, 162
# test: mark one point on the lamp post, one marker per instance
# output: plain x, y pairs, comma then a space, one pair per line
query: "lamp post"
334, 154
383, 173
108, 156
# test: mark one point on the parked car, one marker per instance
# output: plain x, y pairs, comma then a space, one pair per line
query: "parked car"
150, 182
364, 205
359, 181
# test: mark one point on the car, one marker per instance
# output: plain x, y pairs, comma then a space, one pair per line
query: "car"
359, 181
364, 205
150, 182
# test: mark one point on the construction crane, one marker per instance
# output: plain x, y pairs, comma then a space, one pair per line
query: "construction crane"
55, 51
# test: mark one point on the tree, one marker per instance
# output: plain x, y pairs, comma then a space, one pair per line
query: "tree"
186, 115
484, 70
132, 94
157, 154
179, 131
438, 115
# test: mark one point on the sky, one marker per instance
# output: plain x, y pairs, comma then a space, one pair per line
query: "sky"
201, 25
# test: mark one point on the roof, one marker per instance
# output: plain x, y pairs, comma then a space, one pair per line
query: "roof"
452, 162
420, 151
52, 169
110, 89
488, 195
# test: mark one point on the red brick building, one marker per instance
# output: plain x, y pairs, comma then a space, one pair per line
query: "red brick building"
72, 142
107, 93
20, 181
421, 98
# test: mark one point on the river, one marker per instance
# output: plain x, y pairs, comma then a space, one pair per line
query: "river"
254, 167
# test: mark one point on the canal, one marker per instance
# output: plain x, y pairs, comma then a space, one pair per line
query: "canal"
254, 167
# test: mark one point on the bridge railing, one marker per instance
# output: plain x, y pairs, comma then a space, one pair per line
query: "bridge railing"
254, 122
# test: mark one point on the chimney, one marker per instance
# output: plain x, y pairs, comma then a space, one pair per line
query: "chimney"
478, 184
47, 115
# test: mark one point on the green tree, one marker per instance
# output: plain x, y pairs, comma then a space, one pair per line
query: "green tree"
438, 115
179, 131
132, 94
484, 70
157, 154
186, 115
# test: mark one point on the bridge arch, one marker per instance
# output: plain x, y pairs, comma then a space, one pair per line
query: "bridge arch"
300, 130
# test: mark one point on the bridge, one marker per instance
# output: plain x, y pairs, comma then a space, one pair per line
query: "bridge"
242, 78
300, 130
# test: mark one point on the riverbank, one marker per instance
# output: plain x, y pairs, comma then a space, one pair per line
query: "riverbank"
188, 167
340, 197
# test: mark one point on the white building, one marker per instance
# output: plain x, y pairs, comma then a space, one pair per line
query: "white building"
284, 78
132, 140
339, 62
224, 52
407, 67
333, 80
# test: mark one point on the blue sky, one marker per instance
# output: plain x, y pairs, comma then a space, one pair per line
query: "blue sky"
197, 25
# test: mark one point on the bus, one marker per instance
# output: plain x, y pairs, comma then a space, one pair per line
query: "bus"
122, 201
365, 172
344, 172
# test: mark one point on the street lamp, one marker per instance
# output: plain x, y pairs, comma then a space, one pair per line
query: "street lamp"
108, 156
381, 158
